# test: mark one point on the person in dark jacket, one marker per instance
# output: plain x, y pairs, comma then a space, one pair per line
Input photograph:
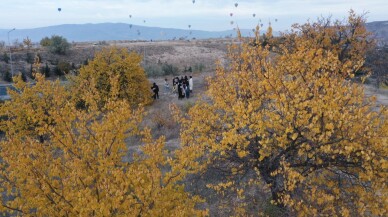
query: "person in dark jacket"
180, 92
187, 91
155, 89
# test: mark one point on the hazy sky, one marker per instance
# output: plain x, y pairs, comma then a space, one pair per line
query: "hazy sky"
202, 15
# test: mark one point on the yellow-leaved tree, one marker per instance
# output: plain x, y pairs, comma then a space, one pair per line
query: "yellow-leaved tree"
57, 160
110, 64
289, 112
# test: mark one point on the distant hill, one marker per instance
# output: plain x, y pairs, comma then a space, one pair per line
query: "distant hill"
122, 31
113, 31
380, 29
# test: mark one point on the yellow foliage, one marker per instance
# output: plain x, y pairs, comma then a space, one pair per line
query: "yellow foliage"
114, 73
57, 160
297, 119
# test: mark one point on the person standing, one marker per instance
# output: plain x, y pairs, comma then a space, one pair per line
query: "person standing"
191, 84
155, 89
174, 84
166, 86
180, 94
187, 91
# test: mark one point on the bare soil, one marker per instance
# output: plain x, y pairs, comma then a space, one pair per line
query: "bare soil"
181, 54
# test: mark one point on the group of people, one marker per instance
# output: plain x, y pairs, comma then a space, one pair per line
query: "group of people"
182, 86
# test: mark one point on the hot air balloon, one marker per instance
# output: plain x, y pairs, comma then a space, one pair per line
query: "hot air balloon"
144, 21
276, 20
193, 1
231, 22
59, 9
253, 30
130, 16
236, 4
231, 14
189, 26
254, 15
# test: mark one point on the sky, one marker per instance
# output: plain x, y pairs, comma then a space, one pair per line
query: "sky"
213, 15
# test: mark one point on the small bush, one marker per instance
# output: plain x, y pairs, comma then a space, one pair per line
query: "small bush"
161, 70
30, 58
62, 68
5, 57
7, 76
163, 120
199, 67
45, 42
56, 44
46, 71
169, 69
153, 70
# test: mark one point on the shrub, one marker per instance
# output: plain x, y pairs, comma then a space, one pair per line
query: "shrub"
154, 70
46, 71
199, 67
45, 42
62, 68
169, 69
56, 44
30, 58
7, 76
5, 57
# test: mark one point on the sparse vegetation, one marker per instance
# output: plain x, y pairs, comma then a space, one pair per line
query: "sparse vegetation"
377, 59
281, 131
162, 69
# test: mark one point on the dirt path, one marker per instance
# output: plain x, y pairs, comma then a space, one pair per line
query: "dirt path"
381, 94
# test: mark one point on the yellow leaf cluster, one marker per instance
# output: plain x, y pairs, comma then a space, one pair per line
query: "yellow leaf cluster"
61, 160
295, 117
114, 73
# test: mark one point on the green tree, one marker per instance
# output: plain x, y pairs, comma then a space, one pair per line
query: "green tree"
59, 45
45, 42
56, 44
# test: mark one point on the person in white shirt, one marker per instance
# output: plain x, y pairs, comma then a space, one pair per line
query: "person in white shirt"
166, 86
191, 84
